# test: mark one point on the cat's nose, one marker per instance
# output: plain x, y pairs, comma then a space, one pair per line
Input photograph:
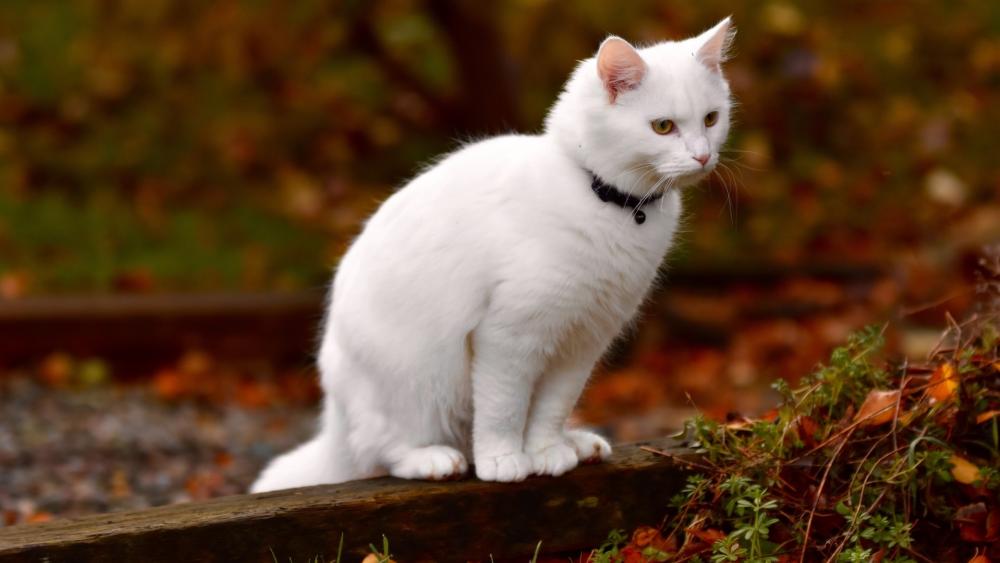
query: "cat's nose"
702, 158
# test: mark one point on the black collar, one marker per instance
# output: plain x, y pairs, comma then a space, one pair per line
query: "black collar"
607, 192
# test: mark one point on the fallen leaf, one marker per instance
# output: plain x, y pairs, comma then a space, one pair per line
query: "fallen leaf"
194, 362
879, 408
120, 487
644, 536
223, 459
167, 384
943, 383
807, 429
39, 517
988, 415
665, 544
977, 523
630, 554
963, 470
770, 415
56, 369
709, 536
13, 284
253, 394
647, 536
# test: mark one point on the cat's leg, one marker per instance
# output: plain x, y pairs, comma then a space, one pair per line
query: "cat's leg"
383, 436
382, 440
392, 424
504, 370
553, 448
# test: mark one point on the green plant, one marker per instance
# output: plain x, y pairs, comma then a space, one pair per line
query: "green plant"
728, 549
749, 509
384, 556
890, 447
610, 550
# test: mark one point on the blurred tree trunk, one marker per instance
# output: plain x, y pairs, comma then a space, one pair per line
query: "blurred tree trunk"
487, 102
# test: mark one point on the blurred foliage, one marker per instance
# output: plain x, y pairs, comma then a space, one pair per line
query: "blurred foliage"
240, 143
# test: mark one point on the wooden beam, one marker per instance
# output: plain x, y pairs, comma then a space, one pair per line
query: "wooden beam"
140, 333
424, 521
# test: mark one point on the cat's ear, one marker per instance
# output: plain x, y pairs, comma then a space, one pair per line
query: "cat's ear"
619, 66
715, 44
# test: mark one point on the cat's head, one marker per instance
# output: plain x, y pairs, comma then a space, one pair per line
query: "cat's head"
647, 118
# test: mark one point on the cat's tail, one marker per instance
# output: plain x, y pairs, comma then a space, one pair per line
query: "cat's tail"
323, 460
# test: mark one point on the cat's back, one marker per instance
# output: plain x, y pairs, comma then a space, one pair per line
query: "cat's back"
488, 165
441, 235
420, 273
471, 187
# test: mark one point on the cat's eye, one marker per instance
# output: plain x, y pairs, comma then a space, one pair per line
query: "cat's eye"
711, 119
662, 126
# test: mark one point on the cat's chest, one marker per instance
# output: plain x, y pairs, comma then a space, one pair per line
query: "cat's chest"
618, 258
606, 263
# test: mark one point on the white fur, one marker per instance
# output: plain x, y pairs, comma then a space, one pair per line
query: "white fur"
465, 320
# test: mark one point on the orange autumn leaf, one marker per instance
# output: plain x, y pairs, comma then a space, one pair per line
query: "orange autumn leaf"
879, 408
56, 369
979, 559
943, 383
39, 517
223, 459
647, 536
988, 415
770, 416
13, 284
963, 470
644, 536
978, 522
807, 428
253, 395
709, 536
167, 384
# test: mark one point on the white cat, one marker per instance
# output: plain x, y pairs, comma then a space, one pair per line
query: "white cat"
465, 320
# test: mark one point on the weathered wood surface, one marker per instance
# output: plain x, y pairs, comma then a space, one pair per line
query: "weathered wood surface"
452, 521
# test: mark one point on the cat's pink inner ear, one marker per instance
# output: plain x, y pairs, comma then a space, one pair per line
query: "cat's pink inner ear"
715, 44
619, 66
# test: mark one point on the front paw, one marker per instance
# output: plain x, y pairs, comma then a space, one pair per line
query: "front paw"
505, 467
555, 459
436, 463
589, 447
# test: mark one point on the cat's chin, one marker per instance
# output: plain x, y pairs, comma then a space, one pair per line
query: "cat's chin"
689, 178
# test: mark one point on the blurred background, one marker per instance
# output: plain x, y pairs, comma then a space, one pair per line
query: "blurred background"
179, 178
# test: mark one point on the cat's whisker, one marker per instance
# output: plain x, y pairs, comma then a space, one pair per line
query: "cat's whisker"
646, 168
668, 186
731, 186
729, 197
737, 159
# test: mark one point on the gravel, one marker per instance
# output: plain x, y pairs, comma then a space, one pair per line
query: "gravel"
72, 452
